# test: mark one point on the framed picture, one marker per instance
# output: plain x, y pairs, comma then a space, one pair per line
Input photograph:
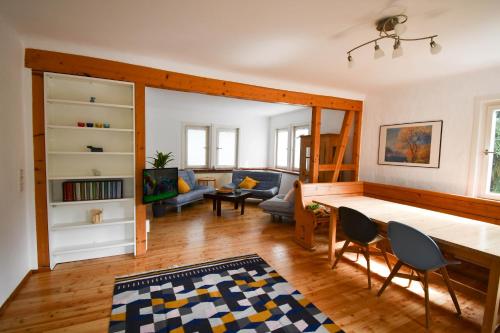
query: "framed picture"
411, 144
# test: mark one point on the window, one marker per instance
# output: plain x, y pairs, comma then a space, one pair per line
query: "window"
227, 148
197, 146
210, 146
282, 148
298, 131
490, 161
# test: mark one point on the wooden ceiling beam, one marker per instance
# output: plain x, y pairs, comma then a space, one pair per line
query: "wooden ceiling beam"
56, 62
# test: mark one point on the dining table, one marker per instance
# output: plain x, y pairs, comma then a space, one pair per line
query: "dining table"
463, 238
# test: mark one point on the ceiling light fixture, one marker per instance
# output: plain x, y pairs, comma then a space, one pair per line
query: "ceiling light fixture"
393, 27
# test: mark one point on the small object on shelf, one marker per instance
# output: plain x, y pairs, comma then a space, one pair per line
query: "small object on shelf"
96, 172
95, 149
98, 125
81, 124
90, 124
237, 190
106, 125
92, 99
96, 216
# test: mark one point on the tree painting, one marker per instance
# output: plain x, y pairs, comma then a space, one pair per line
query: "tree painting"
409, 144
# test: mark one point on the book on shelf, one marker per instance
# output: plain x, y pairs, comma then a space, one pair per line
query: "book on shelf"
86, 190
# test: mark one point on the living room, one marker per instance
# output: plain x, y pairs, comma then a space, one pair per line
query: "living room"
374, 126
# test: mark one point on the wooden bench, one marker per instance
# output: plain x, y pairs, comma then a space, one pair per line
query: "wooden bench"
305, 221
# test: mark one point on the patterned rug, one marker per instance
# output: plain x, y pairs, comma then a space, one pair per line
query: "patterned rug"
241, 294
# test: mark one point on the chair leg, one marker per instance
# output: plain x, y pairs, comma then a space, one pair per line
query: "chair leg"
389, 278
410, 279
367, 256
357, 256
446, 278
341, 253
427, 307
386, 259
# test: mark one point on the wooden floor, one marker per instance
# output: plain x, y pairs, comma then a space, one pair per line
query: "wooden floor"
76, 297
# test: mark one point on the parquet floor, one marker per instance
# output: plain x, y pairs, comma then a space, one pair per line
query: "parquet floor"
76, 297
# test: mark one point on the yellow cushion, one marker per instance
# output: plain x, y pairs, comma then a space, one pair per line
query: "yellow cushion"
183, 186
248, 183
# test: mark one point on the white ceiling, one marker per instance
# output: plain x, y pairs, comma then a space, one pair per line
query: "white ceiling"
296, 41
198, 103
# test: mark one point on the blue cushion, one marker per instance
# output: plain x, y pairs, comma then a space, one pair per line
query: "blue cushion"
189, 177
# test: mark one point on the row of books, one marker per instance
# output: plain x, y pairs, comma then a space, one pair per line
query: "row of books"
92, 190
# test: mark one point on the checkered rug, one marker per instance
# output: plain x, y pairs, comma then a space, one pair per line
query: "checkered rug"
241, 294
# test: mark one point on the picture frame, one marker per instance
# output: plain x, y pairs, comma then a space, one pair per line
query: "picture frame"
416, 144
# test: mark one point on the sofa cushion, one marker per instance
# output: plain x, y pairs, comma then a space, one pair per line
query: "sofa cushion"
248, 183
264, 194
267, 180
290, 196
189, 177
194, 195
183, 186
277, 204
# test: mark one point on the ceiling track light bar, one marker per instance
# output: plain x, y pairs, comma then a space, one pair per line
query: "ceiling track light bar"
392, 27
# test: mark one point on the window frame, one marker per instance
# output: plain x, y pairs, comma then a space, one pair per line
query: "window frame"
186, 129
217, 148
294, 130
211, 147
276, 133
487, 140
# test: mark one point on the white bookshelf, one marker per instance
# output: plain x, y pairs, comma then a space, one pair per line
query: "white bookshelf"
72, 236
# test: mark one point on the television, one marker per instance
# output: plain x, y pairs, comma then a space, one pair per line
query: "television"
159, 184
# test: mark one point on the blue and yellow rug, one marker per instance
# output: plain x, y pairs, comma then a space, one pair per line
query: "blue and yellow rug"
241, 294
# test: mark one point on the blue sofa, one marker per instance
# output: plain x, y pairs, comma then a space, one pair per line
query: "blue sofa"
268, 186
194, 195
279, 207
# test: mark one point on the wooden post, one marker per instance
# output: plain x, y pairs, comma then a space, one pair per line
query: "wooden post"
140, 161
356, 143
42, 222
344, 138
315, 144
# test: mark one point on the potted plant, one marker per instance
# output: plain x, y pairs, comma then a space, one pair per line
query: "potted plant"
160, 161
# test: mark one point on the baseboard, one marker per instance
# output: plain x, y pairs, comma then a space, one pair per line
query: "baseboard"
16, 291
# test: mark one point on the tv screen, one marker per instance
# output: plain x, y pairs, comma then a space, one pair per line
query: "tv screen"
159, 184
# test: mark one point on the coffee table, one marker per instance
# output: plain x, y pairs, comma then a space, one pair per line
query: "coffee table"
237, 198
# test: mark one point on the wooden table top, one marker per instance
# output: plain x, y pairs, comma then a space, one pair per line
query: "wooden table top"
446, 228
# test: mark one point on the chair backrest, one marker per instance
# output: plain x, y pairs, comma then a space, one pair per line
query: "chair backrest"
414, 247
356, 225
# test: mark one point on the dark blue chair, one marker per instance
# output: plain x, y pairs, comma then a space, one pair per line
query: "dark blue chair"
421, 254
362, 232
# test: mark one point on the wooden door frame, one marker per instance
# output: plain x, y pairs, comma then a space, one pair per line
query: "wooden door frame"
40, 61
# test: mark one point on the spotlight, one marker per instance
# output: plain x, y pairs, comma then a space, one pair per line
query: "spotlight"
435, 47
379, 53
398, 49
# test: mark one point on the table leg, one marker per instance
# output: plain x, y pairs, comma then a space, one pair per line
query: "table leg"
490, 318
219, 208
236, 204
243, 207
332, 236
214, 204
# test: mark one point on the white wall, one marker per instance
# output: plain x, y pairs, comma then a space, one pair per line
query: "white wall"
14, 230
453, 100
165, 117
